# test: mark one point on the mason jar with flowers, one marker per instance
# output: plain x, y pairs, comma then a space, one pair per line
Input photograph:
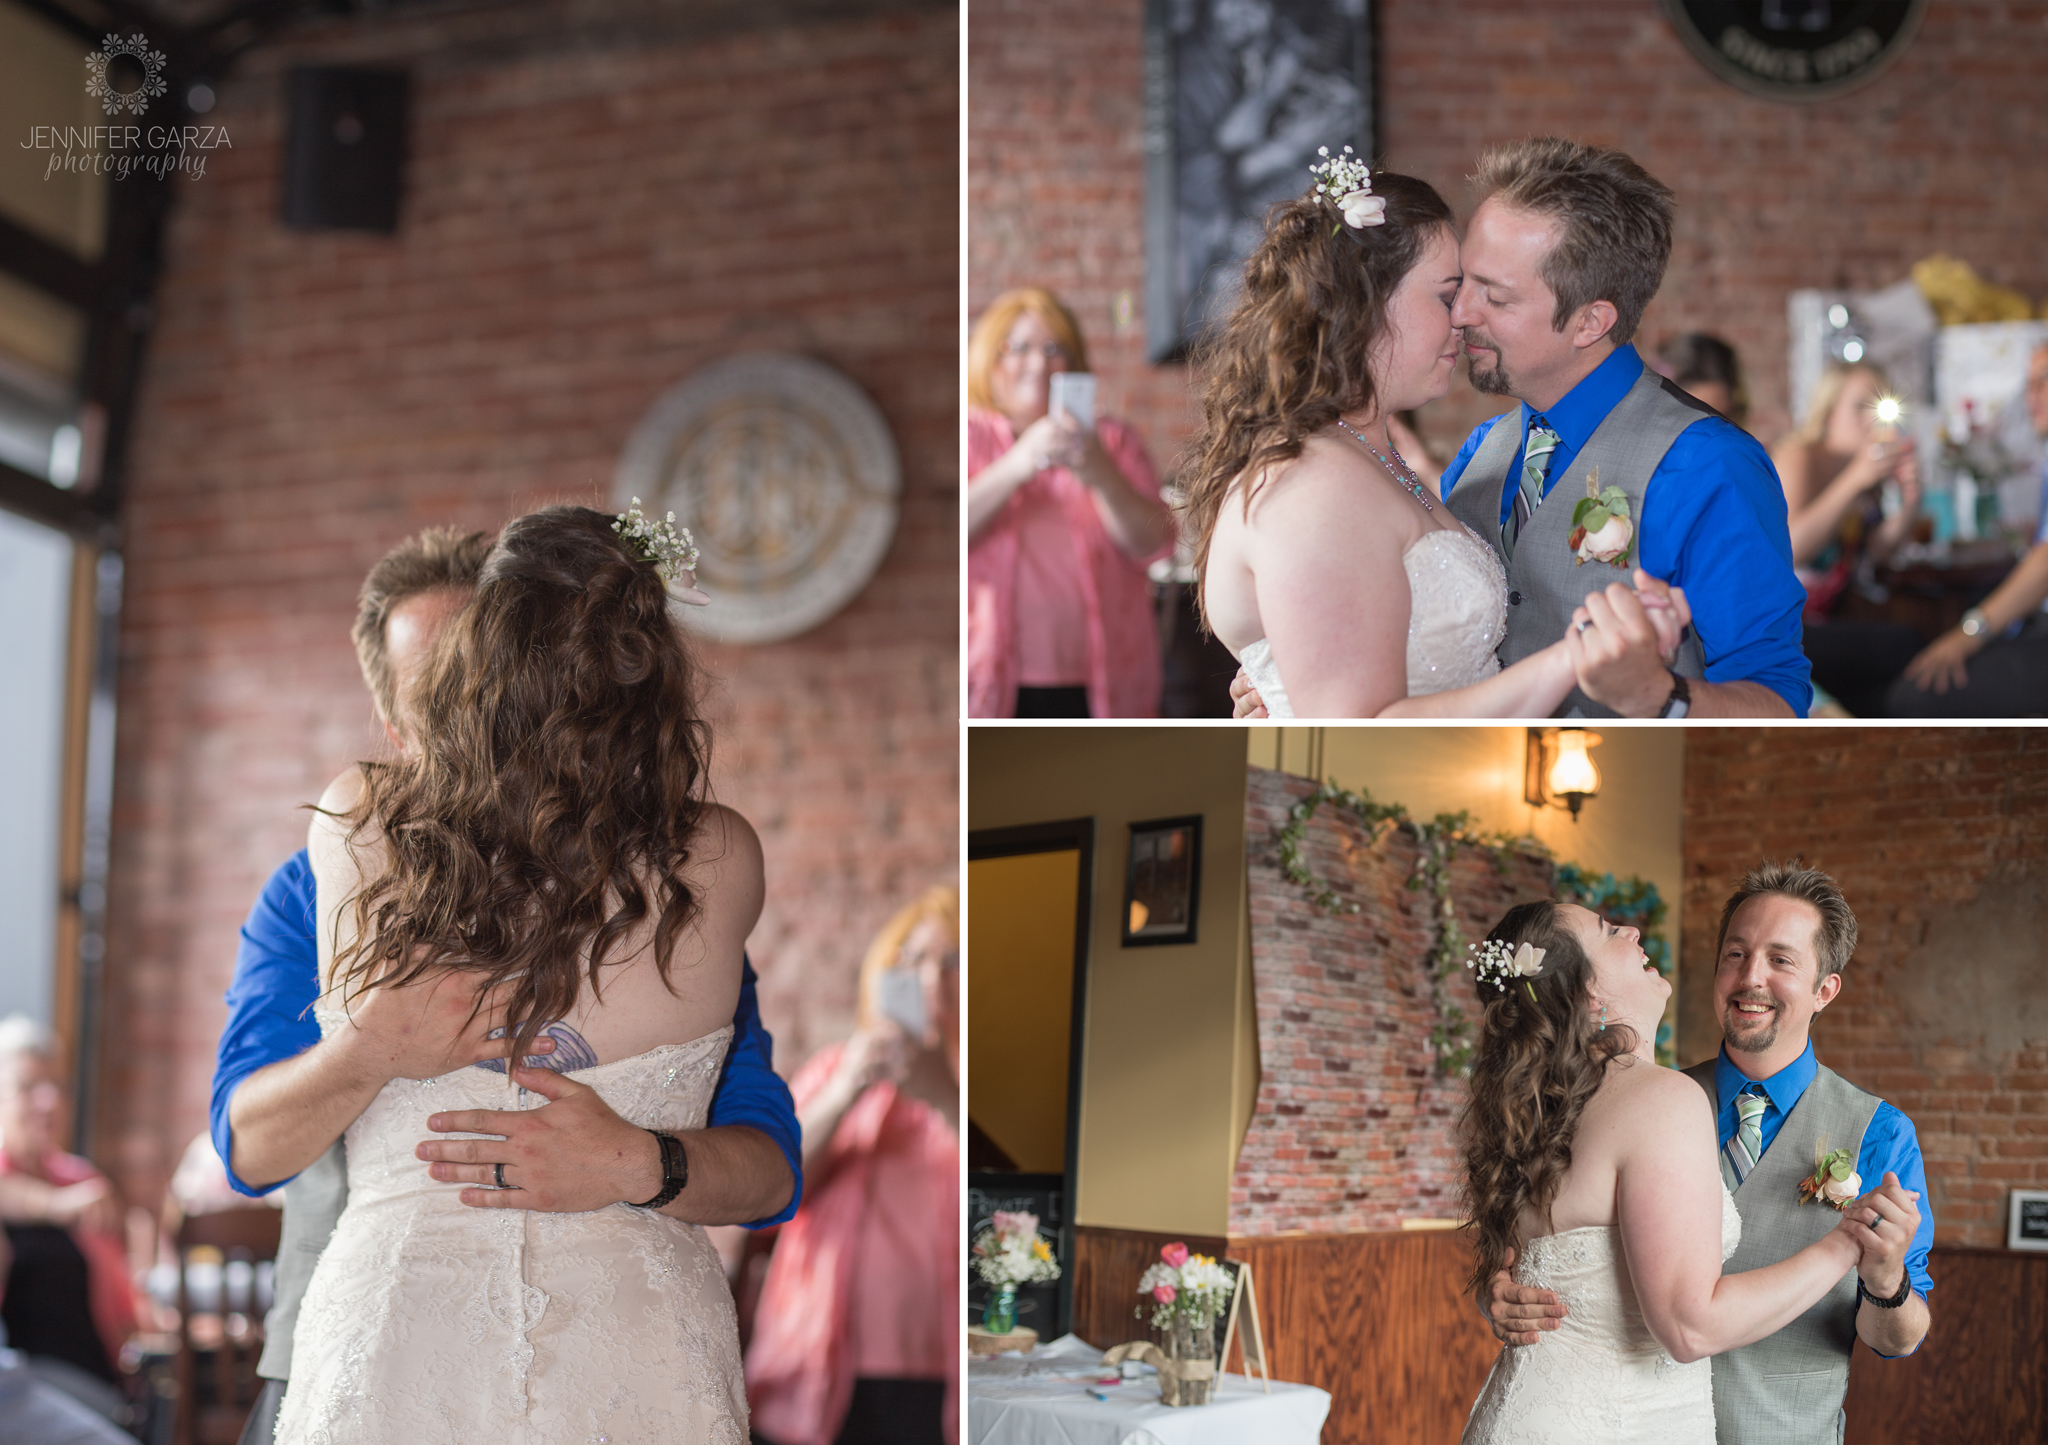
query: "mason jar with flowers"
1008, 1252
1189, 1293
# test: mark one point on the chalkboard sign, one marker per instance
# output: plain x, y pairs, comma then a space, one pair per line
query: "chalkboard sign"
2027, 1227
1238, 96
1796, 49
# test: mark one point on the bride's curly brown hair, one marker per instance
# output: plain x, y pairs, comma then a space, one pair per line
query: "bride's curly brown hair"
1291, 357
556, 781
1539, 1060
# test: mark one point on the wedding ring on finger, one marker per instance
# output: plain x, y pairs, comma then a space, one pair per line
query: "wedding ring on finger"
1582, 624
498, 1173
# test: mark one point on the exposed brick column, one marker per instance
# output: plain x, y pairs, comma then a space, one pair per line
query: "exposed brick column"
1353, 1127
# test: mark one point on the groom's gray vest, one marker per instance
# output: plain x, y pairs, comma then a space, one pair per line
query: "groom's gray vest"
312, 1206
1545, 582
1787, 1388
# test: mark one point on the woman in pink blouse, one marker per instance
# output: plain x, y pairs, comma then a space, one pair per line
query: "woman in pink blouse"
857, 1336
1061, 521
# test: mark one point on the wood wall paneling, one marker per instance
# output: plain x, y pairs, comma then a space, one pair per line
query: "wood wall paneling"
1381, 1322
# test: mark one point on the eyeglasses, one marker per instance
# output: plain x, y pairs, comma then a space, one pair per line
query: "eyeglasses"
1052, 351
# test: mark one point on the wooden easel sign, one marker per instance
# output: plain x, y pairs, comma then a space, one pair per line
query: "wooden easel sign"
1251, 1342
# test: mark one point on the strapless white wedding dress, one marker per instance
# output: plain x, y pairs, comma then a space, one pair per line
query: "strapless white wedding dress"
1457, 615
433, 1323
1600, 1376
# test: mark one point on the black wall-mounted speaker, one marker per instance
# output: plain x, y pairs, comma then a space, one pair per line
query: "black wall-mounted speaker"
344, 160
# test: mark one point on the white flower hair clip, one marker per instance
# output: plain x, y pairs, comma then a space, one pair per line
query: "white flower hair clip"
1346, 184
1498, 964
670, 548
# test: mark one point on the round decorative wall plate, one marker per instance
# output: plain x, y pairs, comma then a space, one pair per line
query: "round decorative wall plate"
1796, 49
786, 476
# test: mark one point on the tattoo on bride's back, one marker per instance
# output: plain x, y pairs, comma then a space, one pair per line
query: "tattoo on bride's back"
572, 1051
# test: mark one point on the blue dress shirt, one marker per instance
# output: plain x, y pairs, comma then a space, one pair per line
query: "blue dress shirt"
1890, 1142
1715, 527
270, 1017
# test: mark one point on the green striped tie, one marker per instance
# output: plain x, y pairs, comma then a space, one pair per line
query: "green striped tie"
1741, 1154
1542, 441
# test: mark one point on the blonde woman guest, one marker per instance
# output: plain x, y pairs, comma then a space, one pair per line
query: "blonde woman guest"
1061, 522
857, 1337
1831, 468
1833, 465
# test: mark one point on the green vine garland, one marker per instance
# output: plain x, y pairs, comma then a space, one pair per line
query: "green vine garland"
1631, 900
1450, 1038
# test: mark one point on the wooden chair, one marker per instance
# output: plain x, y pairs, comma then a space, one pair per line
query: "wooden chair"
232, 1328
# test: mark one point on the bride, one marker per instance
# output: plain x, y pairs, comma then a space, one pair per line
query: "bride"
550, 832
1327, 567
1597, 1172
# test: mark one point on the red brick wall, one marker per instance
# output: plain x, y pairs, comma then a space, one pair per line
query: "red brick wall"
1933, 156
1352, 1127
1938, 839
600, 200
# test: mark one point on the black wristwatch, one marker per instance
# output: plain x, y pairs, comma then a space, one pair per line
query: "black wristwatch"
675, 1171
1905, 1292
1680, 701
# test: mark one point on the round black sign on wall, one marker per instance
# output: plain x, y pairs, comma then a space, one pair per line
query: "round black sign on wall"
1796, 49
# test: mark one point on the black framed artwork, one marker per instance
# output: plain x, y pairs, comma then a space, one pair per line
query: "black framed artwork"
1238, 96
1163, 882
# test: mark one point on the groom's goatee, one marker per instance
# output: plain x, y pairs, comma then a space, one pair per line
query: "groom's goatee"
1494, 381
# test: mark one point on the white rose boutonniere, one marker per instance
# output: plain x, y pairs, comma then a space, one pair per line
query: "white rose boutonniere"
1602, 529
1834, 1180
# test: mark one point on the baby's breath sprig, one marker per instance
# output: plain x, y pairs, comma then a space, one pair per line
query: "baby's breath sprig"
670, 548
1498, 964
1346, 184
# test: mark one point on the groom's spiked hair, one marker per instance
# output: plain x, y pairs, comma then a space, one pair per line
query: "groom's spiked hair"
1834, 939
1614, 215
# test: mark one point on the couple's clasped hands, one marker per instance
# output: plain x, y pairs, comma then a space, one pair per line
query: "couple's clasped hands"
1621, 645
1880, 1226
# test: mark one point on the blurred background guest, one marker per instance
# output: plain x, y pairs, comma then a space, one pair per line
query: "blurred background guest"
1707, 368
68, 1304
1994, 663
1061, 522
856, 1339
1833, 467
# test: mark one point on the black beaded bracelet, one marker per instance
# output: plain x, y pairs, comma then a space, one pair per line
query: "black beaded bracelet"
675, 1171
1905, 1292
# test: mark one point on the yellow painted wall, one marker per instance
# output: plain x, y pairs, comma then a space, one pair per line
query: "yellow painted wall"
1020, 935
1166, 1080
1633, 826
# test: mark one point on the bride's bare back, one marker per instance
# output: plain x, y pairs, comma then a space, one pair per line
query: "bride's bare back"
633, 1010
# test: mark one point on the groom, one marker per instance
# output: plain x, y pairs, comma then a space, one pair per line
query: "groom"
279, 1087
1786, 936
1559, 261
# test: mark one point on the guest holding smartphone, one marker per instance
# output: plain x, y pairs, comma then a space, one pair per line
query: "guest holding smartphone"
1063, 514
857, 1336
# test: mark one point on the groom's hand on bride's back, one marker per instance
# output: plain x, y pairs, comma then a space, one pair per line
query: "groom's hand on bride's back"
1518, 1314
432, 1027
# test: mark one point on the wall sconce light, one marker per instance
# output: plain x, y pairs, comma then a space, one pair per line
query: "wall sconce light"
1558, 773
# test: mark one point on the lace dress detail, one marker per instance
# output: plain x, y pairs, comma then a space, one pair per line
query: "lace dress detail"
1601, 1375
434, 1323
1457, 615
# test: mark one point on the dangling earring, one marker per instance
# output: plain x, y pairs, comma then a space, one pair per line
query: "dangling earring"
1603, 1020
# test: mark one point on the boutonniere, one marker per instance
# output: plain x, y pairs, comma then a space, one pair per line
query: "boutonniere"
1602, 530
1834, 1180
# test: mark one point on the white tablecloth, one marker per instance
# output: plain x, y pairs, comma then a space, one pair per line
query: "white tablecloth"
1049, 1398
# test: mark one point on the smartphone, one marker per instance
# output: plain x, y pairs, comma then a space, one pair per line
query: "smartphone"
899, 994
1073, 392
